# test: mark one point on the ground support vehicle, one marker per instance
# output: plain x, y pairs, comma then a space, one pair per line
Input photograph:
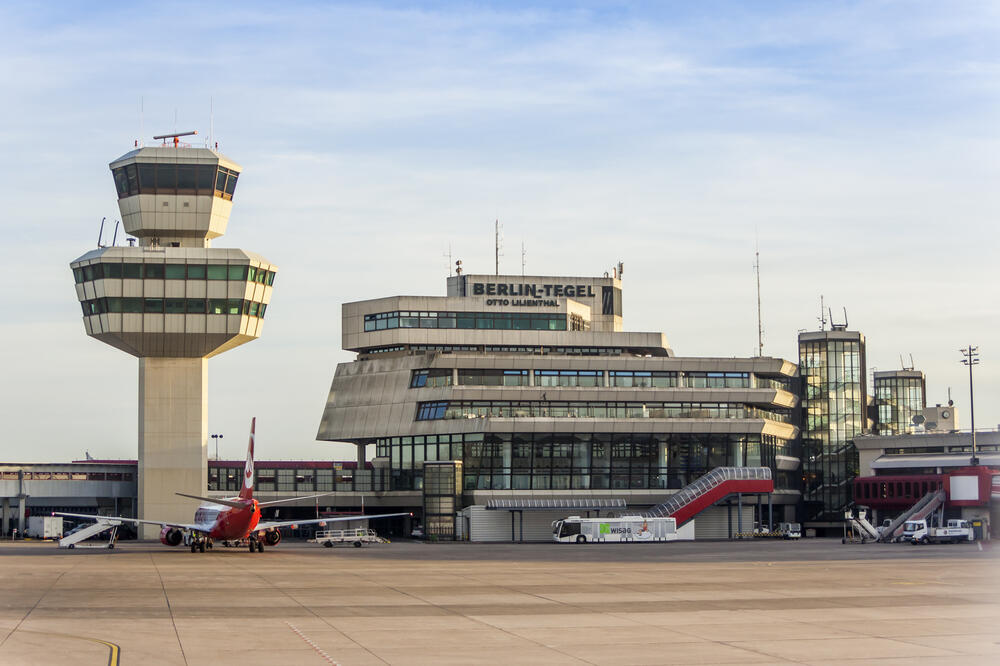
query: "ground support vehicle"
358, 537
918, 532
629, 529
45, 527
790, 530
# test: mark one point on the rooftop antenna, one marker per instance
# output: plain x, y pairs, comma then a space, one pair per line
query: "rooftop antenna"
913, 366
760, 325
498, 242
621, 269
524, 258
100, 234
822, 314
448, 254
114, 239
902, 366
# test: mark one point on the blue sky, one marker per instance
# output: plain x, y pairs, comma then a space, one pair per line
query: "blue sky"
857, 141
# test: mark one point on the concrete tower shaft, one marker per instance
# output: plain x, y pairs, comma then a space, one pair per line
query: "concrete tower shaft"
173, 302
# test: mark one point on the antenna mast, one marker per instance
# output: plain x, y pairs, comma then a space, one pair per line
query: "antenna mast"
524, 258
448, 254
822, 314
760, 325
498, 240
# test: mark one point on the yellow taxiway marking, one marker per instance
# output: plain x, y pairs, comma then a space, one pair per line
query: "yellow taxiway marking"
114, 651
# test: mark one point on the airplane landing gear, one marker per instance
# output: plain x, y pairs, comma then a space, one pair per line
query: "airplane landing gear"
260, 546
253, 545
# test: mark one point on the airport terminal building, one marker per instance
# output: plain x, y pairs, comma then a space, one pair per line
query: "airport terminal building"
528, 388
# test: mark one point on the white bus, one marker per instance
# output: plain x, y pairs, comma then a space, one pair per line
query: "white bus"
632, 529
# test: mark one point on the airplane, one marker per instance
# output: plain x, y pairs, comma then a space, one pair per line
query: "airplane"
232, 519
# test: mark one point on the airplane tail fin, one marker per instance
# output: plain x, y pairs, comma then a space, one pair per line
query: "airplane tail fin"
246, 492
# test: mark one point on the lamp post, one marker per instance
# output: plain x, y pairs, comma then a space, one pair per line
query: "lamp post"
216, 438
971, 355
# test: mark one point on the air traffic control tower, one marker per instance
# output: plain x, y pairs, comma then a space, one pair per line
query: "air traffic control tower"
173, 301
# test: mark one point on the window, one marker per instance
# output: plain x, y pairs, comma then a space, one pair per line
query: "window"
196, 272
153, 271
216, 272
569, 378
132, 271
430, 411
238, 272
173, 305
434, 377
174, 271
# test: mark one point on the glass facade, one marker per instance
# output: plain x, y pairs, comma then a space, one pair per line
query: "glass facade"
232, 306
164, 178
565, 461
518, 321
442, 497
437, 377
898, 397
112, 270
834, 404
592, 409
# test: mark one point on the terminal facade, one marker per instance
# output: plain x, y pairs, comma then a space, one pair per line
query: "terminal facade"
532, 387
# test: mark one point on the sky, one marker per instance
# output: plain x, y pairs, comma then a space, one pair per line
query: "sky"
855, 143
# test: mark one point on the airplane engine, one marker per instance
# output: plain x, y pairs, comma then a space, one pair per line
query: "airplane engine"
171, 536
272, 538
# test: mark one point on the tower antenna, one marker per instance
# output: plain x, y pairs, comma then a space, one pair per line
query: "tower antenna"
760, 325
822, 314
448, 254
498, 242
524, 258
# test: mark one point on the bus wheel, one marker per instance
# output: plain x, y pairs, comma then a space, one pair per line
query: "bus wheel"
357, 544
581, 539
328, 544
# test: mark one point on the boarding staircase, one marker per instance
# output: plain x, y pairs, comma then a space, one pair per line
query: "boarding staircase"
927, 505
92, 530
861, 525
718, 484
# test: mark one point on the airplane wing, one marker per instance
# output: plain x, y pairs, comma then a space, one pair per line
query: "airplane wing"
317, 521
135, 521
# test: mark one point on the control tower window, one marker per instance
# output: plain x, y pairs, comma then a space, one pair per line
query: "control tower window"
201, 179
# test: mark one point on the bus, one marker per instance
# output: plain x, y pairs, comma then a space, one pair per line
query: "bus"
626, 529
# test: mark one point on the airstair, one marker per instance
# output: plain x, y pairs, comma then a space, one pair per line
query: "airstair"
860, 526
927, 505
92, 530
718, 484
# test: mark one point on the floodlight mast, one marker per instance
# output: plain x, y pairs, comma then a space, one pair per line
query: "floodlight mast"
175, 136
971, 355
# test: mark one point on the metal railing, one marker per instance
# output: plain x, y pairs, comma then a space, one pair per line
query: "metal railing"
710, 481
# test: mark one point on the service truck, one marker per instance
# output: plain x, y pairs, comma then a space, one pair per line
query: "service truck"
45, 527
918, 532
631, 529
790, 530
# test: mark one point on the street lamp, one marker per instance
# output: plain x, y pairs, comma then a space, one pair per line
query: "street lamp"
216, 438
971, 355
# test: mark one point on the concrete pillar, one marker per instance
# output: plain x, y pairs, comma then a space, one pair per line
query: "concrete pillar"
173, 435
5, 509
362, 455
22, 522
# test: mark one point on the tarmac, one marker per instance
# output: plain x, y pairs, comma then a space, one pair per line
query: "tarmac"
760, 602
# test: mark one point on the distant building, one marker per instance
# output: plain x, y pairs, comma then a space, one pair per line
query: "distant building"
899, 397
834, 404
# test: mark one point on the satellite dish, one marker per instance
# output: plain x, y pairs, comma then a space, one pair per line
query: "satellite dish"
945, 414
918, 419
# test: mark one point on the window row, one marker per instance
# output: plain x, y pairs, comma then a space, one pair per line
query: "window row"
575, 378
190, 179
478, 409
543, 461
507, 349
66, 476
521, 321
136, 271
232, 306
